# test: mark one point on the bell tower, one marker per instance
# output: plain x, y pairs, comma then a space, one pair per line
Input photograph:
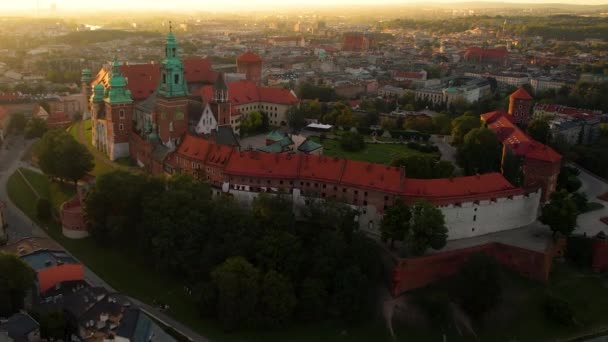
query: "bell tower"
171, 101
220, 105
118, 114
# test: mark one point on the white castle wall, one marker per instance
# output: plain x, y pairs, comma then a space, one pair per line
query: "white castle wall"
471, 219
466, 220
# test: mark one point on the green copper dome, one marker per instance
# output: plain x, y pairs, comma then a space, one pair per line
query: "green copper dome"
118, 92
98, 93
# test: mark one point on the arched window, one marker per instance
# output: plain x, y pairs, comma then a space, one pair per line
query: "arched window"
176, 78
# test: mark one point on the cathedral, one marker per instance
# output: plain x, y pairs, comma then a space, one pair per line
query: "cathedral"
145, 110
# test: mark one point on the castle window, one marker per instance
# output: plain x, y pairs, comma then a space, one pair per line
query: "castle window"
474, 217
121, 113
121, 127
176, 79
164, 79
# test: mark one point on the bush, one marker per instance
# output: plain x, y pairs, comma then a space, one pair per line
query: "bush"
558, 310
43, 209
352, 142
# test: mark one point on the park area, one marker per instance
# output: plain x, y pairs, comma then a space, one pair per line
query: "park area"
381, 153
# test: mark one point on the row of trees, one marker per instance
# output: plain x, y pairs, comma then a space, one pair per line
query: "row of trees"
257, 267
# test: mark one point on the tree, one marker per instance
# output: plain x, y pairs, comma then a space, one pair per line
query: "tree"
35, 128
427, 228
251, 123
463, 125
477, 286
581, 201
442, 124
312, 301
277, 299
61, 156
352, 142
238, 287
560, 213
16, 123
347, 301
396, 222
296, 119
480, 152
424, 166
16, 278
539, 130
568, 179
43, 209
273, 212
558, 310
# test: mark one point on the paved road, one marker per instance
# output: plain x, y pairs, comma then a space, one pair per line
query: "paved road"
20, 226
590, 223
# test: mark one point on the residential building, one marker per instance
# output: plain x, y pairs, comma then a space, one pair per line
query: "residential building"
21, 327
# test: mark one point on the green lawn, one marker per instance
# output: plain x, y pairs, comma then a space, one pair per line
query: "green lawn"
129, 274
374, 153
22, 195
522, 317
101, 165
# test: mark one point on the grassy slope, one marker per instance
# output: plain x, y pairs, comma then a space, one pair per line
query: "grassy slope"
375, 153
101, 166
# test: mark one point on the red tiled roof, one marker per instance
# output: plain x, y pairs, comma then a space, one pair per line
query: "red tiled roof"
579, 113
248, 57
243, 92
444, 188
142, 79
194, 148
199, 70
51, 276
319, 168
520, 143
374, 176
521, 94
218, 155
264, 165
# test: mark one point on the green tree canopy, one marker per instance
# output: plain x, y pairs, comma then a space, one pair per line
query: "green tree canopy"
396, 222
238, 284
427, 228
296, 119
16, 279
480, 152
277, 299
539, 130
463, 125
352, 141
61, 156
17, 123
560, 213
35, 128
424, 166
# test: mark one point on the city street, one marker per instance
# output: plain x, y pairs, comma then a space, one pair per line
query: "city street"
20, 226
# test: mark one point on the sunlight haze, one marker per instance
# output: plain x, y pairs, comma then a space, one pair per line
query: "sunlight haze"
231, 5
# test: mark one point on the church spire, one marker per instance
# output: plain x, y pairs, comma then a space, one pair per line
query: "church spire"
117, 86
172, 83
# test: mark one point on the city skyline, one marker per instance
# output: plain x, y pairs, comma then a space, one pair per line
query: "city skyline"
258, 4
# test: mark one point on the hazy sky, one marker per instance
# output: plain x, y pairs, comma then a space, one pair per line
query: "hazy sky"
229, 4
181, 5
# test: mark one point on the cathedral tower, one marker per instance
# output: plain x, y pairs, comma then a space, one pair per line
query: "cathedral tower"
171, 101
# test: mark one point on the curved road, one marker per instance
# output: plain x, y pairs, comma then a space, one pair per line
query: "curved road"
20, 226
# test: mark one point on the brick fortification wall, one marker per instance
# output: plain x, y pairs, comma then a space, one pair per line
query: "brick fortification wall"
413, 273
